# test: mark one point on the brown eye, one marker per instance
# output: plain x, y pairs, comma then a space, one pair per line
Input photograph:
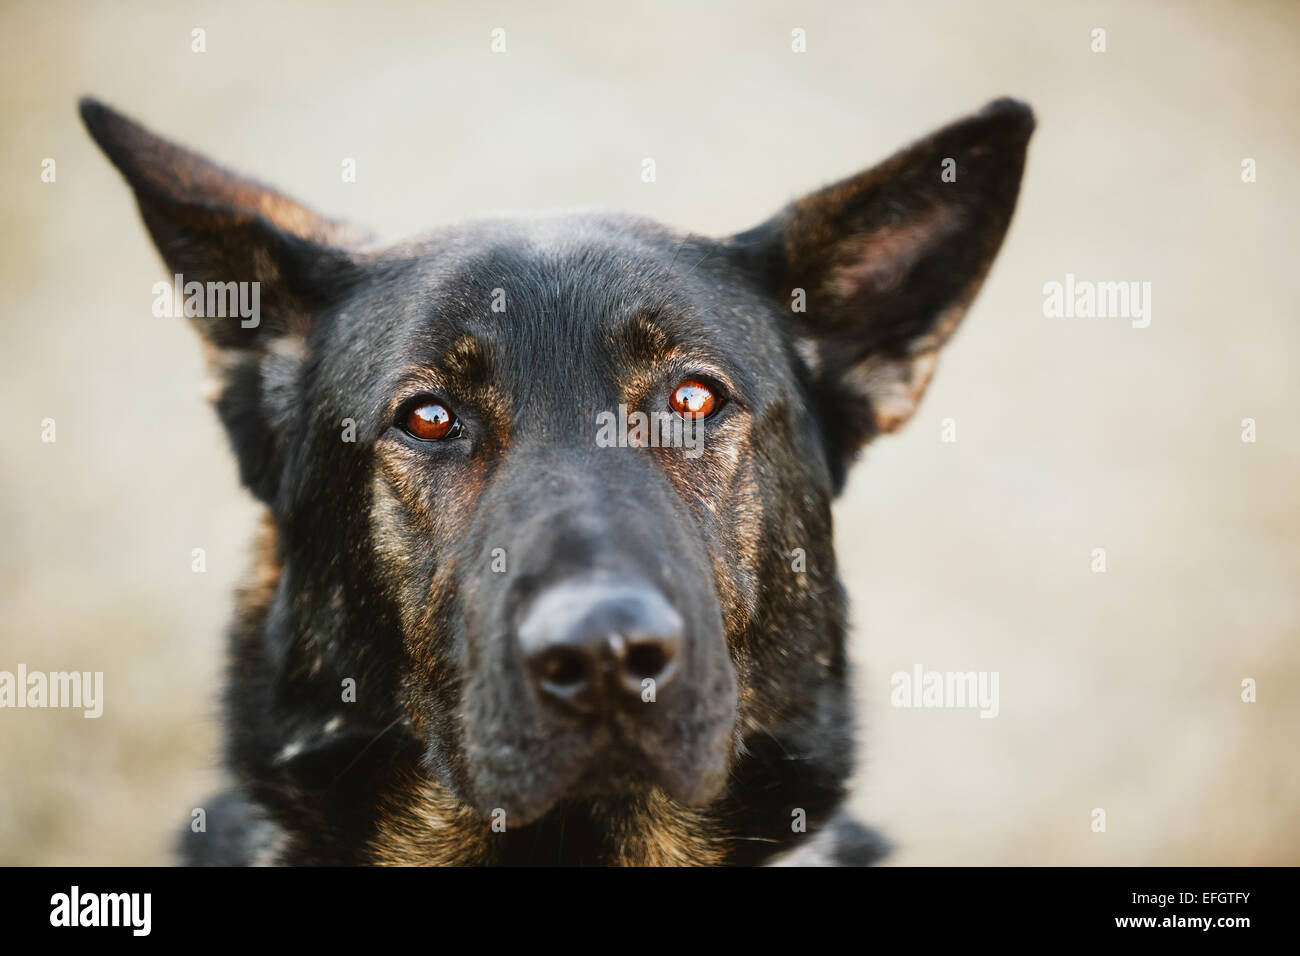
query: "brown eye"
693, 399
430, 421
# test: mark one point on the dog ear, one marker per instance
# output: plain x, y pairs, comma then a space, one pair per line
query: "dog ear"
212, 225
878, 269
215, 227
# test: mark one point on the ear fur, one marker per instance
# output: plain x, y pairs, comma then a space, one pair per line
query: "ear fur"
886, 264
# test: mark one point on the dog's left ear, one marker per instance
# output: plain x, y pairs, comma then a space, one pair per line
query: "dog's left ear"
877, 270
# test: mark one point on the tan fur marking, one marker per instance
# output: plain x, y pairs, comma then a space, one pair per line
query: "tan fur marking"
893, 386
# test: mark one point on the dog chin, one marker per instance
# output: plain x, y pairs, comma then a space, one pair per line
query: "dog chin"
526, 799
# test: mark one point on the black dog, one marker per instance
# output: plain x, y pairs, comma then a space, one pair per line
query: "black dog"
547, 572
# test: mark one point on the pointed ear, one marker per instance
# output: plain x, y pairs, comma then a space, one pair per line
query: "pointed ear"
215, 227
885, 265
212, 225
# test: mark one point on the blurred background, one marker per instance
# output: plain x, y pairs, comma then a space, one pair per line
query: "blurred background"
1119, 690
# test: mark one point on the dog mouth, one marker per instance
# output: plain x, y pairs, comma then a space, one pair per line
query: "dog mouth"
615, 772
597, 763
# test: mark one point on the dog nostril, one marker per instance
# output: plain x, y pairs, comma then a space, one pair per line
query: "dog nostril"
647, 660
563, 669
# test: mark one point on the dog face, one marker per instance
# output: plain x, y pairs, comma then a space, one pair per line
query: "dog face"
554, 493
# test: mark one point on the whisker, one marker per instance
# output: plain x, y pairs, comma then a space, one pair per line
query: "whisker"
373, 740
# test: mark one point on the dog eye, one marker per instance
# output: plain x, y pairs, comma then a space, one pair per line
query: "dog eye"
430, 421
693, 399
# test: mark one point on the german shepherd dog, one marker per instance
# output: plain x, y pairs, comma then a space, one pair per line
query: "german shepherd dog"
476, 632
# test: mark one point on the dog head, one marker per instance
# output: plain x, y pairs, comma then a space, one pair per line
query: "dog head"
554, 492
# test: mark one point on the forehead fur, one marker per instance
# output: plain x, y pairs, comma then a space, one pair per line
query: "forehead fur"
547, 306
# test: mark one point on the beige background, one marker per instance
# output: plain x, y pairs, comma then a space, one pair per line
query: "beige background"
1118, 690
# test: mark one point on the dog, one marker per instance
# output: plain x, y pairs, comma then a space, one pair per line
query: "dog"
476, 633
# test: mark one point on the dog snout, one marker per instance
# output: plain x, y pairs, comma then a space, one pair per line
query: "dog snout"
592, 646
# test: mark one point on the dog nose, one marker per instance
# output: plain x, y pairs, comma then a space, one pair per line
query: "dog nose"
592, 645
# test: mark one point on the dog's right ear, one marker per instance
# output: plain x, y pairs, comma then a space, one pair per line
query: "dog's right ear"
213, 226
